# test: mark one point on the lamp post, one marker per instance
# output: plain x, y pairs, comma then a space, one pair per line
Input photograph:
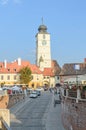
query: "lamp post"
77, 67
76, 78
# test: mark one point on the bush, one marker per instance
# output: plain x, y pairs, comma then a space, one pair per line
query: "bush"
84, 87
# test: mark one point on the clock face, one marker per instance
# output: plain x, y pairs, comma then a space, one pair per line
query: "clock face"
43, 42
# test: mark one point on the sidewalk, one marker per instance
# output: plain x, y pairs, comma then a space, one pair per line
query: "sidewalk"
53, 121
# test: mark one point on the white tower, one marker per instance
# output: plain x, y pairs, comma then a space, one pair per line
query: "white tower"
43, 52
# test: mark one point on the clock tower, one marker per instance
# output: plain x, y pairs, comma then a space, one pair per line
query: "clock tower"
43, 51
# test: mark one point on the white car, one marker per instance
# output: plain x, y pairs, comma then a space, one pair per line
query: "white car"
1, 89
33, 95
38, 92
40, 89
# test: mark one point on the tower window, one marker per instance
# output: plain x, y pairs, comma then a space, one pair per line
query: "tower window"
43, 36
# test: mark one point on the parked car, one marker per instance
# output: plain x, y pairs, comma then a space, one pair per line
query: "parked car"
33, 94
40, 89
29, 90
1, 89
38, 92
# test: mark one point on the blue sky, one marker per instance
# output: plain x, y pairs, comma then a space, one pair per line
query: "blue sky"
65, 20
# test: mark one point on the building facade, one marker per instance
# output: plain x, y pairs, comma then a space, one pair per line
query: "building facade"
71, 75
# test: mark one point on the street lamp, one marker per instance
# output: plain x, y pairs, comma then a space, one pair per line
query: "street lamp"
77, 67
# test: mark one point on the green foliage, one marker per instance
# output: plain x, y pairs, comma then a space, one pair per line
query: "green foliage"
25, 75
84, 87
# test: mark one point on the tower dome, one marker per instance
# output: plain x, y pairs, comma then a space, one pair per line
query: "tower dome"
42, 29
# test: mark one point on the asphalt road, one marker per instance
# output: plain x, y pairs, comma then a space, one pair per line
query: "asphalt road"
36, 114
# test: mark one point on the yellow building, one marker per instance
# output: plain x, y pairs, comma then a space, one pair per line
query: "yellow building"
9, 73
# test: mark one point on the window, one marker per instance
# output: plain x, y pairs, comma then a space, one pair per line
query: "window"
32, 78
43, 36
37, 78
8, 69
15, 70
15, 77
0, 66
2, 77
8, 77
58, 77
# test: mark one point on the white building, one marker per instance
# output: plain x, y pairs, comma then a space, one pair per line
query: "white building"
43, 51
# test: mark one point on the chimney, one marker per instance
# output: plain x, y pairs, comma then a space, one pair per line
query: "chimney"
19, 61
5, 63
85, 60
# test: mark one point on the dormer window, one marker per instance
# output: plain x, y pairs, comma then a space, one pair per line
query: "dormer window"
15, 70
0, 66
8, 69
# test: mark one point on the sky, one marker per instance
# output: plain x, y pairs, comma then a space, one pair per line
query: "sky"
65, 20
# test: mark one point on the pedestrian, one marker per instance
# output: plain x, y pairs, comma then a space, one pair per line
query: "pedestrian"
50, 90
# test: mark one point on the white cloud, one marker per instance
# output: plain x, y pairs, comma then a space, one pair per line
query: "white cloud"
4, 2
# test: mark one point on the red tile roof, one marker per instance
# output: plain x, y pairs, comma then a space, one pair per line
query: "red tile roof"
48, 72
55, 66
13, 67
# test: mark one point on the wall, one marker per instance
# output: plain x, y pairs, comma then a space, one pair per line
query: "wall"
4, 100
74, 113
9, 100
13, 99
5, 114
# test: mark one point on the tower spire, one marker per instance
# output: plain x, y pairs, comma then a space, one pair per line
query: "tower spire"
42, 21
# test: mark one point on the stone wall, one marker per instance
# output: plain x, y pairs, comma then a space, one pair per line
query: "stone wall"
4, 100
13, 99
7, 101
74, 113
5, 114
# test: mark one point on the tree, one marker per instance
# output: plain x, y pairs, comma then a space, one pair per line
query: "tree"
25, 75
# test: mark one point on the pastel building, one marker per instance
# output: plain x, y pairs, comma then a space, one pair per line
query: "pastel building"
9, 73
